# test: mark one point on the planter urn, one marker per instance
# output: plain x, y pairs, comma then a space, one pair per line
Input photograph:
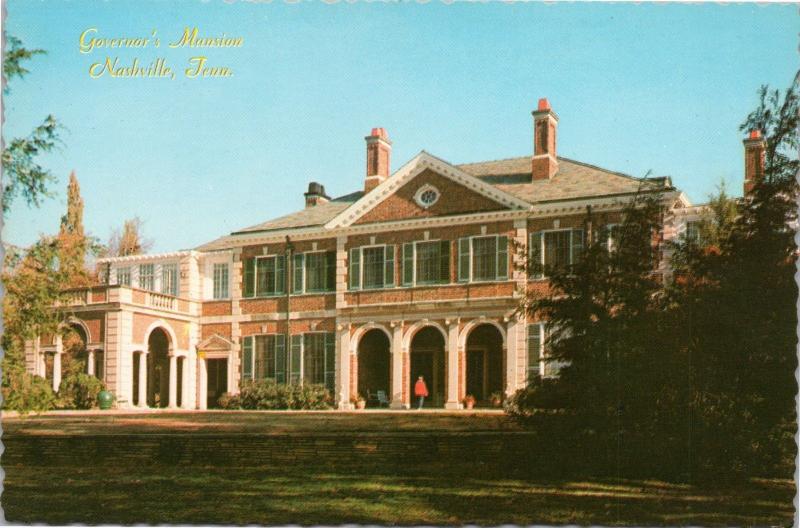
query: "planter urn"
105, 400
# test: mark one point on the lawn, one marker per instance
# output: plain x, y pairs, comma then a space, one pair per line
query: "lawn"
445, 488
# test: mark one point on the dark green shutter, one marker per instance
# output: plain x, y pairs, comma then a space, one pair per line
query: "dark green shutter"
577, 245
463, 260
535, 267
294, 358
247, 358
298, 272
280, 358
249, 266
444, 267
330, 361
502, 258
330, 271
408, 264
388, 271
280, 274
354, 271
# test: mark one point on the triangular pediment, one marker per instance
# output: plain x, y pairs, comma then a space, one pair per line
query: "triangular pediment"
397, 198
215, 343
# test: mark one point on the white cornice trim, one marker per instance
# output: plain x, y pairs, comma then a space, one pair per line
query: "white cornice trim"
609, 203
404, 174
146, 257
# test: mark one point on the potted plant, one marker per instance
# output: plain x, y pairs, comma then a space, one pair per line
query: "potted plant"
360, 402
469, 401
496, 399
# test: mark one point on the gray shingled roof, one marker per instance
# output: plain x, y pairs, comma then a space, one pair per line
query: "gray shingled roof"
572, 181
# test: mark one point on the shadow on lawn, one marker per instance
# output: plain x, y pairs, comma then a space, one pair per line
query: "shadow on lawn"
307, 496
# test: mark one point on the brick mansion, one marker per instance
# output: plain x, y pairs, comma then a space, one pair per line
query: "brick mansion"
417, 272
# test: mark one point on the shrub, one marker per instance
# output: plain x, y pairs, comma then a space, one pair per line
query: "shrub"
25, 392
79, 391
266, 394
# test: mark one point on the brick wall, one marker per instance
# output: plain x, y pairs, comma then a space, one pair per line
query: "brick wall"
454, 199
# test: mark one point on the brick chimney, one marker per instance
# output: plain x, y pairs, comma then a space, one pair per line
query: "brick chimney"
315, 195
379, 151
754, 158
545, 124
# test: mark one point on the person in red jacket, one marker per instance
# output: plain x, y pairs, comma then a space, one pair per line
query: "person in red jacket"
420, 391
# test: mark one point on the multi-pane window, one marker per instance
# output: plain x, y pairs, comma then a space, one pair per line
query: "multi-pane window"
221, 280
169, 279
535, 350
265, 276
313, 358
371, 267
426, 262
693, 231
124, 276
483, 258
264, 357
147, 276
552, 250
314, 272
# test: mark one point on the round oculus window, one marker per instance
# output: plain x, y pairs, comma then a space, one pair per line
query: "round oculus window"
427, 196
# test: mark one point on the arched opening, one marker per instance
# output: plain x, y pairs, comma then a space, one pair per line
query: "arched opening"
158, 369
374, 367
428, 361
75, 355
485, 363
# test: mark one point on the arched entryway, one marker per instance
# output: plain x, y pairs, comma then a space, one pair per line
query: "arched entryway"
75, 354
485, 363
158, 369
428, 361
374, 367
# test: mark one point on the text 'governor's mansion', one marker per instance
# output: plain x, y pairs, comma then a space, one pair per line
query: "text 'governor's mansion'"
417, 273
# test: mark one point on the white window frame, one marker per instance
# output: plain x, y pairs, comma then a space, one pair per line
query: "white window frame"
571, 230
162, 268
129, 273
414, 264
422, 190
305, 290
256, 293
153, 275
361, 268
226, 284
472, 257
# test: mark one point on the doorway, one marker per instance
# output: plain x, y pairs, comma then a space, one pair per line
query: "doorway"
428, 361
217, 373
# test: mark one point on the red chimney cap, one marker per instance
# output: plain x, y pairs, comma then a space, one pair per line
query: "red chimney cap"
379, 132
755, 134
544, 104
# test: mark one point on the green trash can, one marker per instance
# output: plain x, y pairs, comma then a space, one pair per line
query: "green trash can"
105, 399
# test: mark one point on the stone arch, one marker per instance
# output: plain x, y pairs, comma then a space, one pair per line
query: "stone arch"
167, 328
419, 325
374, 366
74, 321
427, 352
484, 363
362, 330
471, 325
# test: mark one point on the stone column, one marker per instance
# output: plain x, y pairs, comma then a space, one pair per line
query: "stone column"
57, 363
512, 337
202, 389
397, 366
343, 365
90, 363
185, 404
143, 379
452, 367
173, 381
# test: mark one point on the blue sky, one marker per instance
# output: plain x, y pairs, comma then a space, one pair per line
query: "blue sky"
636, 88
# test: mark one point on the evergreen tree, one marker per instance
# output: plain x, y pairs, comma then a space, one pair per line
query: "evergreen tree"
73, 243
